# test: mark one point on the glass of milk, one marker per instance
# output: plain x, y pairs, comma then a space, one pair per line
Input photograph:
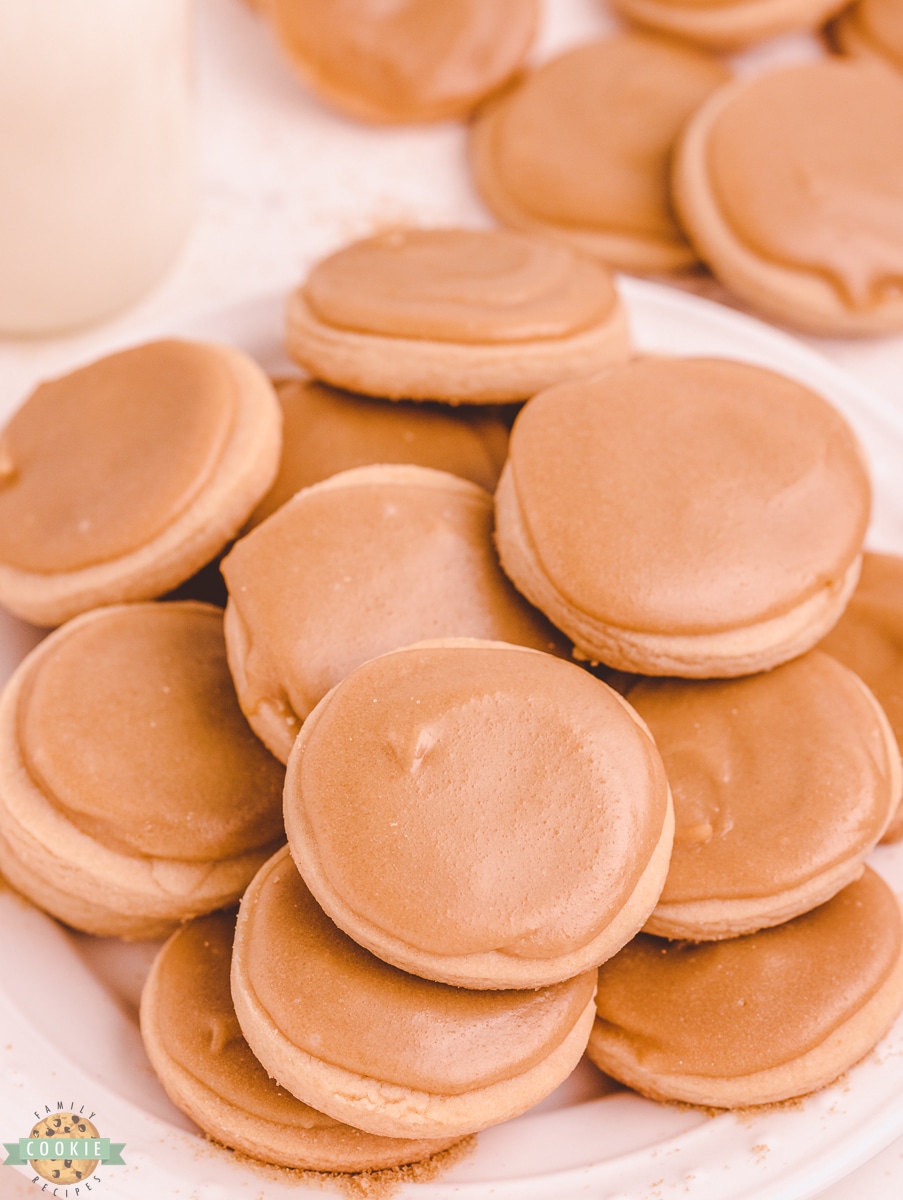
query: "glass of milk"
96, 155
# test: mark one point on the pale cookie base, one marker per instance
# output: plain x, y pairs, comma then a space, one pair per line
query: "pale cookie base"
732, 26
390, 1109
273, 718
784, 293
84, 883
243, 475
491, 969
720, 655
715, 919
625, 251
815, 1069
324, 1147
398, 368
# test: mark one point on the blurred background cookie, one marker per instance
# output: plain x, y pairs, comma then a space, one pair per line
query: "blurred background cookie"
412, 60
464, 316
871, 29
789, 185
133, 794
123, 478
728, 24
580, 148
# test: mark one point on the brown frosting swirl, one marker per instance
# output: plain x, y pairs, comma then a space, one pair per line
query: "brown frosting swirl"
457, 285
333, 999
130, 726
733, 1008
516, 797
688, 495
618, 104
776, 778
99, 462
806, 169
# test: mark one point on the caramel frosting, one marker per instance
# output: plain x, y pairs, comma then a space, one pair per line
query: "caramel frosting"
688, 496
776, 778
456, 285
516, 797
409, 60
336, 1001
196, 1021
805, 167
361, 564
618, 104
750, 1004
868, 638
128, 724
326, 431
99, 462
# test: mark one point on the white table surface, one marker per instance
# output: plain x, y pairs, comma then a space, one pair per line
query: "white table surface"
282, 181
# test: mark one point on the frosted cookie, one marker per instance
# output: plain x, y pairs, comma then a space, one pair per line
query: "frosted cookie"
133, 795
789, 186
728, 24
384, 1051
783, 782
326, 431
521, 802
868, 639
464, 316
362, 563
120, 480
692, 517
411, 60
871, 29
195, 1045
756, 1019
618, 104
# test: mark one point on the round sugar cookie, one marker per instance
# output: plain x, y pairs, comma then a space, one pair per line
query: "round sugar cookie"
133, 794
196, 1046
362, 563
691, 517
868, 639
728, 24
411, 60
326, 431
790, 186
123, 478
783, 782
385, 1051
521, 802
755, 1019
871, 29
618, 104
459, 315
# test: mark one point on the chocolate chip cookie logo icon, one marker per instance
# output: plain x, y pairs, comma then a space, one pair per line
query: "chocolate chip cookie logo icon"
65, 1149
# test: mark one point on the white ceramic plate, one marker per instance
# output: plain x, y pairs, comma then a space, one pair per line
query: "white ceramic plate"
67, 1002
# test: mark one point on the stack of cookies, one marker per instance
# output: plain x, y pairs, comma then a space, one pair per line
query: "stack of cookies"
495, 860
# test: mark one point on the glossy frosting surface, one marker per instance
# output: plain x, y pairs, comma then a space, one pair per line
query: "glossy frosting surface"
457, 285
325, 431
345, 1007
515, 796
688, 496
728, 1009
407, 59
868, 638
344, 573
99, 462
806, 169
131, 727
617, 104
775, 777
197, 1025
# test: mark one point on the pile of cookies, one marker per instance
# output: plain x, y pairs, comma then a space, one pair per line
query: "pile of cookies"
496, 861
